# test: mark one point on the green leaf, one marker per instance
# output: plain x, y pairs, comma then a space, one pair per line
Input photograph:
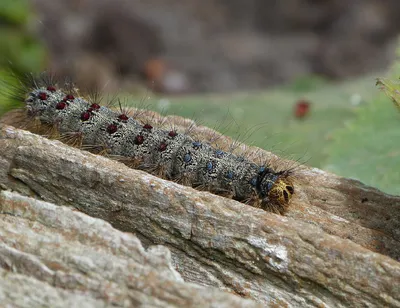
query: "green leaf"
391, 88
368, 148
14, 11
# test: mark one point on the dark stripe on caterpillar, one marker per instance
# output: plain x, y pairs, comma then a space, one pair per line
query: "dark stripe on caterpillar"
61, 113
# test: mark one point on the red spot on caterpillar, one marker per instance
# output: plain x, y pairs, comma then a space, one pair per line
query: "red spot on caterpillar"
42, 96
69, 97
162, 147
94, 106
172, 134
61, 105
85, 116
147, 126
51, 89
301, 108
139, 139
123, 117
112, 128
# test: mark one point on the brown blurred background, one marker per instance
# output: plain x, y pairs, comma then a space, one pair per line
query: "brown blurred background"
180, 46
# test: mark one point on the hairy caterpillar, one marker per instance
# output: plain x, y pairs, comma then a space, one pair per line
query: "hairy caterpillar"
58, 111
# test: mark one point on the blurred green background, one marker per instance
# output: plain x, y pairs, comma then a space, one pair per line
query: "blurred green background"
20, 50
351, 128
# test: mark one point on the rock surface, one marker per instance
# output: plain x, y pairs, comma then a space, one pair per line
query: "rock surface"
337, 247
78, 260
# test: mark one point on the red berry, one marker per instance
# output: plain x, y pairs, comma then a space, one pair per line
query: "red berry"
147, 126
42, 96
301, 109
51, 89
69, 97
112, 128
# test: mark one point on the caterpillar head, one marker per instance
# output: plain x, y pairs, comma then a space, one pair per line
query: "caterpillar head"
281, 192
275, 189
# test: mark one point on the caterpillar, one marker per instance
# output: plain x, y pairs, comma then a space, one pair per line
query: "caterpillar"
57, 110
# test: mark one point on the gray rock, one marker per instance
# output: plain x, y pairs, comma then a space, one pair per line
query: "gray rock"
54, 256
323, 253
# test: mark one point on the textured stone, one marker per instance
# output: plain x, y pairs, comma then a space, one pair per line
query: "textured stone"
79, 261
324, 252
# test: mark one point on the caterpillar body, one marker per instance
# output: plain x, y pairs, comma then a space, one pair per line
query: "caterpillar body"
168, 154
